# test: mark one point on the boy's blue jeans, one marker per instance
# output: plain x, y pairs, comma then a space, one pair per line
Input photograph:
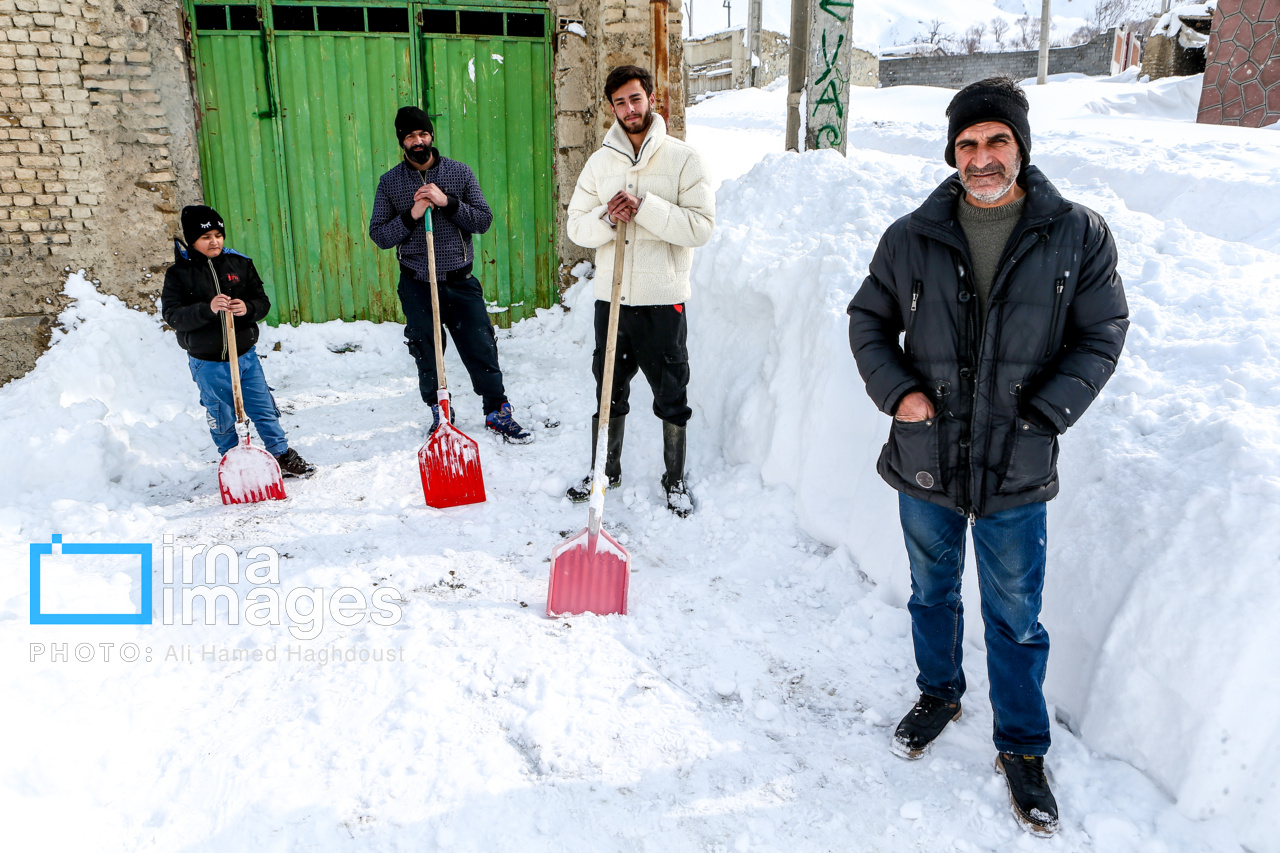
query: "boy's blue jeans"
1010, 548
213, 378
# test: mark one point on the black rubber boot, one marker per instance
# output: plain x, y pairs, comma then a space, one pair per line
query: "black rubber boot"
581, 492
1029, 795
922, 725
679, 498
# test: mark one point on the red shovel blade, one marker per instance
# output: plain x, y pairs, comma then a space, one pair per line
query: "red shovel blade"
450, 466
249, 474
589, 576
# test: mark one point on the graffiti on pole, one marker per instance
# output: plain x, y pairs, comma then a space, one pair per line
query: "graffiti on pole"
830, 60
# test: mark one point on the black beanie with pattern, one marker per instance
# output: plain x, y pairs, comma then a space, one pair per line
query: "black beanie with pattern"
197, 219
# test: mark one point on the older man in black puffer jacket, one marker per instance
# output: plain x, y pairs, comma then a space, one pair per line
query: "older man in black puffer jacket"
1013, 318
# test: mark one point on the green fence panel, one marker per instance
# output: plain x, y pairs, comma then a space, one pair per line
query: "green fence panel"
339, 94
297, 125
238, 159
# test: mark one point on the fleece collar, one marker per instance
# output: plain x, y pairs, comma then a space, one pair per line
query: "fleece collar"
617, 140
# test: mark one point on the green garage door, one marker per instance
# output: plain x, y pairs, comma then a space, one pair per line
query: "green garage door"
297, 102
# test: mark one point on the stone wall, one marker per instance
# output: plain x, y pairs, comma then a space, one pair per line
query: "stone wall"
96, 149
1242, 73
721, 61
956, 72
1164, 57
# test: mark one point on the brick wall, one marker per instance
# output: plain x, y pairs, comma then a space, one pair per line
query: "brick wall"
89, 94
956, 72
1242, 73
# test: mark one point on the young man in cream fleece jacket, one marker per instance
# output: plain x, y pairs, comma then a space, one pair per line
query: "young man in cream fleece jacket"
658, 185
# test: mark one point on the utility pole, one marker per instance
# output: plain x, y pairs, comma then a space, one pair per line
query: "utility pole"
755, 11
796, 68
728, 13
1046, 21
830, 60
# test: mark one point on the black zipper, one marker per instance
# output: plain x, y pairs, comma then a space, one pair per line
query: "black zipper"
1058, 286
916, 287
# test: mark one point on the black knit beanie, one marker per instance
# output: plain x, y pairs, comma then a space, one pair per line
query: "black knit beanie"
409, 119
994, 99
197, 219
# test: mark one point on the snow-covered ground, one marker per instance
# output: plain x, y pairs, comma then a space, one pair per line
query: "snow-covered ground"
747, 701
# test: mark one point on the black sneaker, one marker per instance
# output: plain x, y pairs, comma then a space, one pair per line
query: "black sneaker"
293, 465
922, 725
581, 493
1029, 794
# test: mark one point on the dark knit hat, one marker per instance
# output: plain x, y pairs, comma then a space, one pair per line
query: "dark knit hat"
994, 99
409, 119
197, 219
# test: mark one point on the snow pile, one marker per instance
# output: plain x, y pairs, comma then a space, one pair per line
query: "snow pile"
1163, 545
109, 413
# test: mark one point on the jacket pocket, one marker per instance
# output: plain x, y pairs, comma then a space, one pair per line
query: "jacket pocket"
913, 452
1033, 458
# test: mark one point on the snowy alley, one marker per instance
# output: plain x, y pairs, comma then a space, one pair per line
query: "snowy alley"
748, 700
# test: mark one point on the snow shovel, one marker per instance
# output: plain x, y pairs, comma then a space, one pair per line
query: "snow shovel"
246, 474
449, 461
590, 571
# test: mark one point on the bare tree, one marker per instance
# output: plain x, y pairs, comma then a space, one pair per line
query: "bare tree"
971, 41
937, 36
999, 26
1028, 32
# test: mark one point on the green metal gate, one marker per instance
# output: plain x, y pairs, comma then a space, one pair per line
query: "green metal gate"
297, 102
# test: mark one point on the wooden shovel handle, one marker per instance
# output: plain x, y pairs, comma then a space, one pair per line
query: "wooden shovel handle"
611, 337
595, 510
233, 357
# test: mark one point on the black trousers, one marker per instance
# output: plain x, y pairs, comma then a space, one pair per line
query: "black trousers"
462, 311
651, 339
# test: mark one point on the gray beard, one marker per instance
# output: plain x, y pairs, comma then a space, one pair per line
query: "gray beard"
990, 196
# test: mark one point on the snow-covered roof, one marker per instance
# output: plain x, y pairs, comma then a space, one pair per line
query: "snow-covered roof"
1171, 24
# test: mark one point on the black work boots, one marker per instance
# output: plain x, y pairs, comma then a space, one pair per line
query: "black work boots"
922, 725
1029, 795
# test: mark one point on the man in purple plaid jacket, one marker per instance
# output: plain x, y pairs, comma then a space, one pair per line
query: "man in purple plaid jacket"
424, 181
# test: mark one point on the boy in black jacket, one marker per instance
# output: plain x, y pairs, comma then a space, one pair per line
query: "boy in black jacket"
205, 280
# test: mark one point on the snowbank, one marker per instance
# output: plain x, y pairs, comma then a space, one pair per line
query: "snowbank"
1163, 545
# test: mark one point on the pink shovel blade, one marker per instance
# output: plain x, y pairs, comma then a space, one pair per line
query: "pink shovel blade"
249, 474
589, 577
450, 466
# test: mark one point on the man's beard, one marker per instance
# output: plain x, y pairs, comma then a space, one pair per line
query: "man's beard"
645, 123
993, 195
419, 154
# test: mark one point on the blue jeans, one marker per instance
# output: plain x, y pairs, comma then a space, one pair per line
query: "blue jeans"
1010, 547
213, 378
